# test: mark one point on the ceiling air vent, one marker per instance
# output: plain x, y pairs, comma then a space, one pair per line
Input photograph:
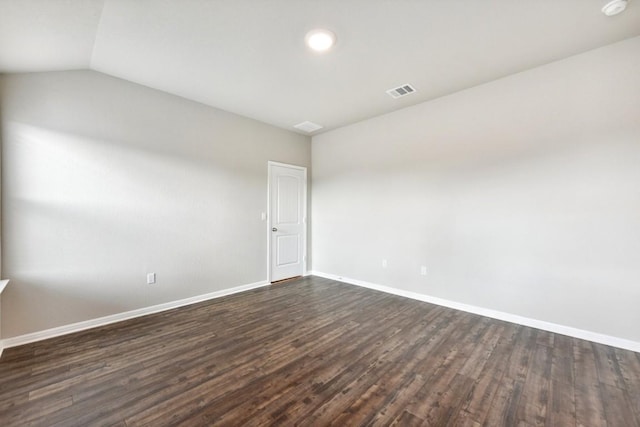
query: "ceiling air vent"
401, 91
308, 127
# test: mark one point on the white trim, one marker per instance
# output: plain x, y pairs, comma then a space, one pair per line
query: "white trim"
304, 215
495, 314
101, 321
3, 285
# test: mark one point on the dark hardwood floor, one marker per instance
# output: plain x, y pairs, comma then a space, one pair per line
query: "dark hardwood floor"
317, 352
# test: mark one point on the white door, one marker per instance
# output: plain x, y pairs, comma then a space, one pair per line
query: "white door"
287, 224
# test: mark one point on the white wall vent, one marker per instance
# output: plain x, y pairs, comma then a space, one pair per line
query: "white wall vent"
401, 91
308, 127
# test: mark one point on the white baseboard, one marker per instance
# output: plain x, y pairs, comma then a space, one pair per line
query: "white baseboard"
526, 321
3, 284
101, 321
500, 315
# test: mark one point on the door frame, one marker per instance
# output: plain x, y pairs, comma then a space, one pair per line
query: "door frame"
304, 216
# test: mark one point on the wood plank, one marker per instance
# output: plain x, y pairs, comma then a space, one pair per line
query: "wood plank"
505, 403
589, 402
562, 398
630, 367
407, 419
536, 388
618, 407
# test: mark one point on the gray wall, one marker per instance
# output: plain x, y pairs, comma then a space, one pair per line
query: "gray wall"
105, 180
521, 195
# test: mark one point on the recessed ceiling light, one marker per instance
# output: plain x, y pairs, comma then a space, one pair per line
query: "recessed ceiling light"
320, 40
614, 7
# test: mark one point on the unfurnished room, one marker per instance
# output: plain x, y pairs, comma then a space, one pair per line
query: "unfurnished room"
320, 212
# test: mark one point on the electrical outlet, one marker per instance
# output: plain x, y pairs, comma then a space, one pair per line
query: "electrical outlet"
151, 278
384, 263
423, 270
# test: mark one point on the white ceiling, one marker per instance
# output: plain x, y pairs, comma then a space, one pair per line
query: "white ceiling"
248, 56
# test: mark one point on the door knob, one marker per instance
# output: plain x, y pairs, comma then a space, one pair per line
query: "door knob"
274, 229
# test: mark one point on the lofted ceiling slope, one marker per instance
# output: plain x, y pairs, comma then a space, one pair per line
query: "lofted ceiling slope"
249, 57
